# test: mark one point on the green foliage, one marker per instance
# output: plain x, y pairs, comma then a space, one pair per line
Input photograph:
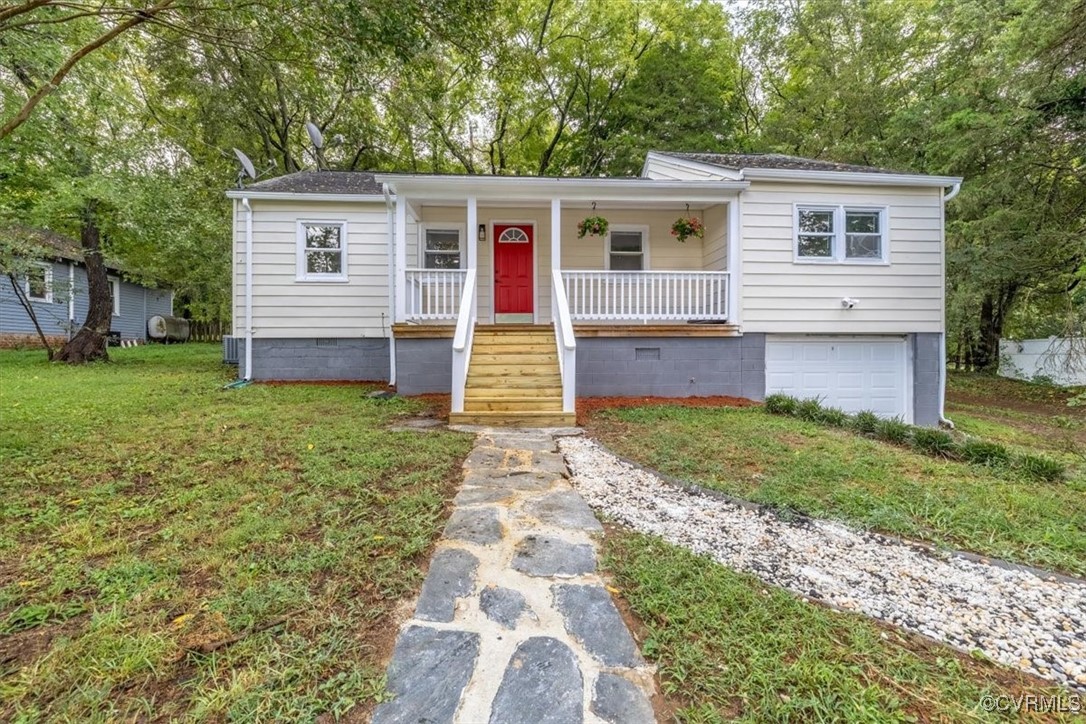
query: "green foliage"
834, 417
1040, 468
982, 452
781, 404
935, 442
866, 422
894, 431
809, 410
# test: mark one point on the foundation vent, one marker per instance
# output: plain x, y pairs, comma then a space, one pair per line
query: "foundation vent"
647, 353
327, 342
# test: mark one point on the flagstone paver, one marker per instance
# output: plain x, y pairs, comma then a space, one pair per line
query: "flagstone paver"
513, 624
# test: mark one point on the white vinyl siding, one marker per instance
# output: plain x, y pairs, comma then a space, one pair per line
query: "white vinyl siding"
903, 295
664, 168
284, 308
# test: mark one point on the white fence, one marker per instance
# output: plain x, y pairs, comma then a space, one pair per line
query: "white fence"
1063, 361
646, 295
434, 294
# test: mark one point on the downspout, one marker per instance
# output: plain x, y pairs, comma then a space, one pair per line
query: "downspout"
390, 224
248, 288
71, 300
943, 420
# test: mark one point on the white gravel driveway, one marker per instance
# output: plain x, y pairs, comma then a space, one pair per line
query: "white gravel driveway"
1011, 615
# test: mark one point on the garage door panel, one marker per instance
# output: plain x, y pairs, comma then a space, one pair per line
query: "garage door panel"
851, 374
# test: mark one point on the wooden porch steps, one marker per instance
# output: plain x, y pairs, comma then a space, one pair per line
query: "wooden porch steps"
513, 379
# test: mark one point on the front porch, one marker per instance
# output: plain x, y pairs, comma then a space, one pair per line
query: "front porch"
472, 255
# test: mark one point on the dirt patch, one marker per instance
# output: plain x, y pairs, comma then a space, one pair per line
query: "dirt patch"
24, 647
437, 404
588, 406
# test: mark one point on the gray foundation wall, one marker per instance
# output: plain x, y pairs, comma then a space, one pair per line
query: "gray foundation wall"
423, 365
927, 364
671, 366
317, 359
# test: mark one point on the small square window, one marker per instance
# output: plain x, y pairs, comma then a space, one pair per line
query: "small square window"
441, 249
39, 283
626, 250
863, 235
322, 251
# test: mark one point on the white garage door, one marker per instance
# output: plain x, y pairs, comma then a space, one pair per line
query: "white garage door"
852, 374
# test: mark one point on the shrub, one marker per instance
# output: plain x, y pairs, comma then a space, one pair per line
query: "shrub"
809, 410
781, 404
866, 422
834, 417
937, 443
980, 452
1040, 468
894, 431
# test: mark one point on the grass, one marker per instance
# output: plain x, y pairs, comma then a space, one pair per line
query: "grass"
831, 473
172, 550
730, 648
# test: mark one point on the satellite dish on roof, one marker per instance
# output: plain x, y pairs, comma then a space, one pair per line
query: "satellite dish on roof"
315, 135
247, 168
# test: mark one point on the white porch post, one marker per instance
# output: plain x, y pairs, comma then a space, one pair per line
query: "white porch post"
734, 261
401, 258
473, 234
556, 234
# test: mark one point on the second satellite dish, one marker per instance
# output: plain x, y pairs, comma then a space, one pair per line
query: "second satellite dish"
246, 164
315, 135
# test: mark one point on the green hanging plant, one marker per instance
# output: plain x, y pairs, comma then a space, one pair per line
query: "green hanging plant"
592, 226
685, 228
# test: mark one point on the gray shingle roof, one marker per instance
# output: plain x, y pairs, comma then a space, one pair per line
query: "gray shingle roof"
357, 183
738, 161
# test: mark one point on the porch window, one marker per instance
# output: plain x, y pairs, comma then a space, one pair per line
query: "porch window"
626, 249
442, 248
39, 283
322, 251
840, 234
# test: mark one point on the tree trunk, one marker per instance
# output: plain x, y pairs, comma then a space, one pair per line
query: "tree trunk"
993, 313
89, 344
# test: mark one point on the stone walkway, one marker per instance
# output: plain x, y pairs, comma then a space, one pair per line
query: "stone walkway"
513, 624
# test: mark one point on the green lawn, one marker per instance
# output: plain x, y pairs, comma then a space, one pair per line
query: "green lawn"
169, 549
837, 474
731, 648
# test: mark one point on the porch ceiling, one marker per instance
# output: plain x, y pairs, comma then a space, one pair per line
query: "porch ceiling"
574, 193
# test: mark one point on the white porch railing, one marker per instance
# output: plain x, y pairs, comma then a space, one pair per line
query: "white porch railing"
434, 294
462, 339
646, 295
567, 344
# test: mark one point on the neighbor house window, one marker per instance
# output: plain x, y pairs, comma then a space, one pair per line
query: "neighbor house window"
840, 234
115, 295
39, 283
442, 247
322, 251
626, 249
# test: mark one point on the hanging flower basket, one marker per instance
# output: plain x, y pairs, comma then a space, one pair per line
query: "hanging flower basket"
685, 228
592, 226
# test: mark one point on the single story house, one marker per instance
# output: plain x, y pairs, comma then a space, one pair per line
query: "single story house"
814, 278
57, 291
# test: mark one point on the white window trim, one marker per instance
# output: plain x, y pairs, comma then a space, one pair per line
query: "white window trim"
301, 274
460, 229
47, 278
643, 228
837, 241
115, 299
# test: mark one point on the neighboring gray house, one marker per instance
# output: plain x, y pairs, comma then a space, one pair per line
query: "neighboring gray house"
813, 278
57, 290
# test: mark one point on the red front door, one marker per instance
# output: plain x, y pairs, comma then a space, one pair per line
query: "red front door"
513, 282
